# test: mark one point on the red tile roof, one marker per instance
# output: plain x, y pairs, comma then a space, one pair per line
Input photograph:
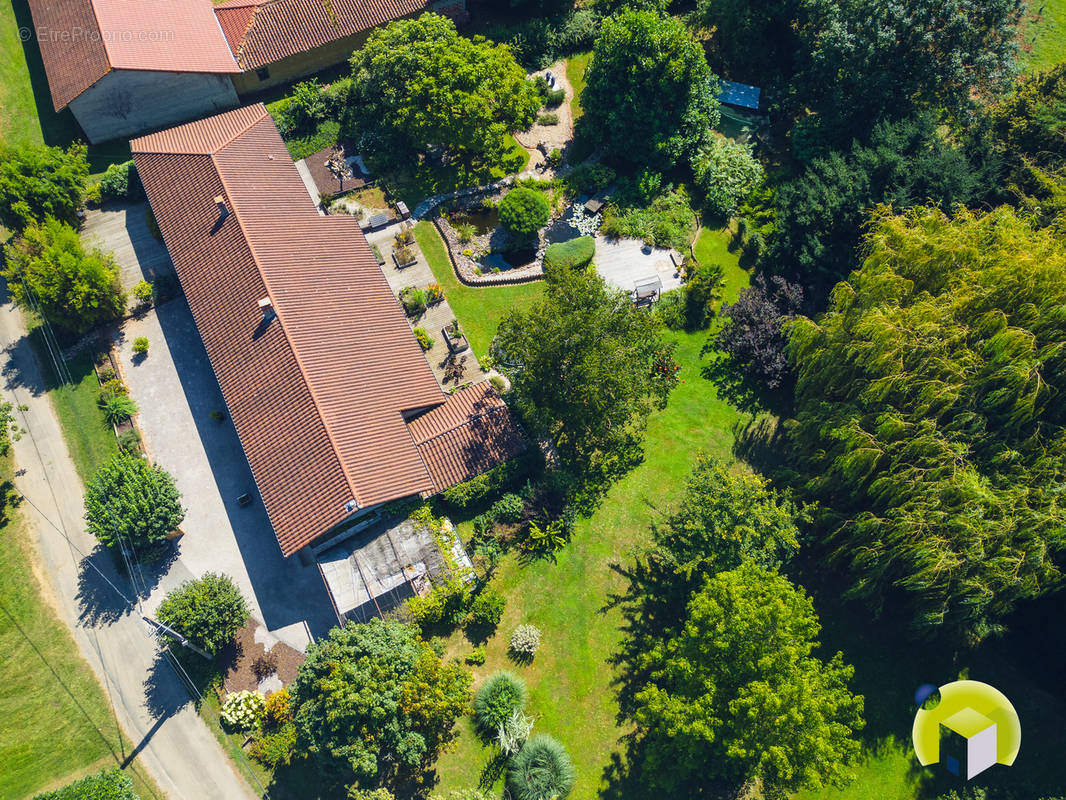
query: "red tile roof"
317, 395
82, 40
280, 28
470, 433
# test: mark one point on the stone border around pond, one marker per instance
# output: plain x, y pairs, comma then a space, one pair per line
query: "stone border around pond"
464, 266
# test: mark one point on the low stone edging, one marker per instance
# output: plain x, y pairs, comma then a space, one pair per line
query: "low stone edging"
528, 277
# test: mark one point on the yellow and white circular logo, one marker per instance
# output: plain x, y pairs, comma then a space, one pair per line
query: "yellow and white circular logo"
972, 727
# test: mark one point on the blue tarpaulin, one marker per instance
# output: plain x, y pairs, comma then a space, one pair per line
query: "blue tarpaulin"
739, 94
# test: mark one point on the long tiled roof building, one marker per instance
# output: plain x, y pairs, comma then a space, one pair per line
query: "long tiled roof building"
331, 395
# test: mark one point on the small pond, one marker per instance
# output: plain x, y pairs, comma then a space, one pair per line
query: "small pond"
484, 220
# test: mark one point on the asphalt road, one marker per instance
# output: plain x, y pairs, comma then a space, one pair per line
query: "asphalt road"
169, 738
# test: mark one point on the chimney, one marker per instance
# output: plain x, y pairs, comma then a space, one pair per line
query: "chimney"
223, 211
267, 308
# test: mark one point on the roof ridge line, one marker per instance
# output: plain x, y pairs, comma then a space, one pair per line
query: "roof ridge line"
107, 53
284, 328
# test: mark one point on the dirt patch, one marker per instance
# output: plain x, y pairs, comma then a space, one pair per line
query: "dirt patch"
557, 136
250, 662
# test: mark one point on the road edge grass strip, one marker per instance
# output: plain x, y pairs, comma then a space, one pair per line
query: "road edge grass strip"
46, 678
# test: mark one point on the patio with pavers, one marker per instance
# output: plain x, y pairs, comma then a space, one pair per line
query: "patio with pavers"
419, 276
626, 262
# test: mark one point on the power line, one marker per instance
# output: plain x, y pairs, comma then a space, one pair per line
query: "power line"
133, 566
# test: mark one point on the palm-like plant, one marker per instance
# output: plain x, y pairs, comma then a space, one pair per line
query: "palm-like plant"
547, 539
119, 408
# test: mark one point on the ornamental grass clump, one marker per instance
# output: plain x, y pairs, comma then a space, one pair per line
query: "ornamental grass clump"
241, 711
542, 770
499, 697
525, 641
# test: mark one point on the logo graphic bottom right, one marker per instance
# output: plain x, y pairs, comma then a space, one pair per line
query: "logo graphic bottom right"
973, 727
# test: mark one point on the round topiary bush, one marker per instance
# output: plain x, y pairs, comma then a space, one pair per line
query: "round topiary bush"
241, 711
542, 770
524, 211
572, 255
501, 695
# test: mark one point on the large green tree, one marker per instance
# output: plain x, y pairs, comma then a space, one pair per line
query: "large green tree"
650, 96
1030, 122
39, 182
864, 60
374, 702
587, 369
209, 611
130, 502
737, 694
418, 85
820, 214
929, 419
48, 270
726, 516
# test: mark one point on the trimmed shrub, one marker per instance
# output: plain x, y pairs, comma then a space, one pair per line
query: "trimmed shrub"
508, 508
486, 610
275, 749
500, 695
143, 293
140, 345
120, 181
209, 610
109, 784
525, 641
277, 709
524, 211
548, 119
554, 98
574, 254
542, 770
241, 711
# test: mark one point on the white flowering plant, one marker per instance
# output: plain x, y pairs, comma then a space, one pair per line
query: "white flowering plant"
525, 641
241, 711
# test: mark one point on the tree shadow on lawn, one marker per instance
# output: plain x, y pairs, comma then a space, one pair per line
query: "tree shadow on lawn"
105, 591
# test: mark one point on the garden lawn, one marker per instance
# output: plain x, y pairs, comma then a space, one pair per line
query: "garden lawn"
1045, 33
89, 437
570, 691
575, 74
57, 721
478, 309
28, 115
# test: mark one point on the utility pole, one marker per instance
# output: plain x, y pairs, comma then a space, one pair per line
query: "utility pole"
162, 627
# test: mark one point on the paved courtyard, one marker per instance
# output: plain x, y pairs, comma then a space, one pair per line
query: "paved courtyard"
419, 275
175, 390
623, 263
122, 229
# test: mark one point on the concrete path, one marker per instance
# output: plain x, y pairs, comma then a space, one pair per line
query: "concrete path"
176, 391
420, 275
122, 229
169, 738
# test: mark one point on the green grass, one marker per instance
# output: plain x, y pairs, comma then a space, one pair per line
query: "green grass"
425, 181
57, 721
569, 681
478, 309
89, 437
28, 115
1045, 35
575, 74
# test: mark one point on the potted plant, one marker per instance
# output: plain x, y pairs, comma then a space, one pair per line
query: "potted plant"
457, 343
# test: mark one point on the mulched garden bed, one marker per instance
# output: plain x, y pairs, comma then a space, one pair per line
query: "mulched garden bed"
249, 662
326, 180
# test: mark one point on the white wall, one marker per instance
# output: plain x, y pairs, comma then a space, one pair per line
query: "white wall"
125, 103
